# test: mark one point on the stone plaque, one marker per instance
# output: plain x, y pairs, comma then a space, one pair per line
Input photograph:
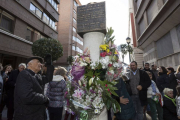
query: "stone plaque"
91, 18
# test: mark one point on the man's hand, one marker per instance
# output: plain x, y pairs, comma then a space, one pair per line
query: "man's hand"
178, 117
123, 100
139, 87
159, 95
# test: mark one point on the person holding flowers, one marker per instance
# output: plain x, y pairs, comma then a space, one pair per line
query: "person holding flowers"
155, 100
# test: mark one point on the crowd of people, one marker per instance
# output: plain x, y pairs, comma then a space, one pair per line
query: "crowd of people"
36, 92
153, 91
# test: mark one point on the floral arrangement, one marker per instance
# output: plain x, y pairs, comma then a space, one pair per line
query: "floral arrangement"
93, 84
89, 92
110, 61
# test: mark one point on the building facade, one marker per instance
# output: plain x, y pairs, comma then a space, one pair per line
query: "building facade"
137, 54
21, 23
157, 30
67, 34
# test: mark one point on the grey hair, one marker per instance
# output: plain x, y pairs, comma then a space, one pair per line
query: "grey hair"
28, 63
22, 64
166, 90
61, 71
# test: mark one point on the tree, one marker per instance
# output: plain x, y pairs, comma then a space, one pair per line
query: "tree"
45, 46
70, 60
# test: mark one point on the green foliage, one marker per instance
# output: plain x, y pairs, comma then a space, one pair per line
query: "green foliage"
124, 48
70, 60
109, 35
45, 46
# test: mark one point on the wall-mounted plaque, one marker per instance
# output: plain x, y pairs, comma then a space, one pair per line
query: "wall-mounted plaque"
91, 18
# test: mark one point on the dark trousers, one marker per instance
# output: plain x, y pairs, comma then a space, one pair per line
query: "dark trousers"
10, 108
67, 116
155, 109
55, 113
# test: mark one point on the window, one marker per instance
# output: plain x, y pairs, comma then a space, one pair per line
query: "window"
32, 8
74, 29
162, 44
35, 10
74, 38
79, 50
138, 2
74, 20
74, 11
54, 4
6, 21
75, 3
53, 24
45, 18
29, 34
50, 23
152, 11
73, 48
38, 12
142, 26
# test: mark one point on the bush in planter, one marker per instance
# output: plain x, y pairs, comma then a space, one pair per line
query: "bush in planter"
45, 46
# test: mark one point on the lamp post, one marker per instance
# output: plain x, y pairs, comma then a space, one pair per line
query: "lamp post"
128, 40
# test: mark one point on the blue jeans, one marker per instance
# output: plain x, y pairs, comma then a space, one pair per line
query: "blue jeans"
138, 107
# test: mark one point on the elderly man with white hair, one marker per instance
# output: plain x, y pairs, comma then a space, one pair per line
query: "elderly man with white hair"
29, 100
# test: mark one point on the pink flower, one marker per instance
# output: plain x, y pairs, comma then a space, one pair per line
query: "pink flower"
103, 54
108, 89
110, 65
78, 93
106, 85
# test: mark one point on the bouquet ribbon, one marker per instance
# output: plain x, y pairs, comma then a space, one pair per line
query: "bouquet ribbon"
83, 115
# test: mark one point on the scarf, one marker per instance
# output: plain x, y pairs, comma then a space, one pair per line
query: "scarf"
153, 87
172, 99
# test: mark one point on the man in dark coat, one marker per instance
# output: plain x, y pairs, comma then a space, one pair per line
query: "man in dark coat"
139, 82
10, 85
29, 100
125, 101
147, 68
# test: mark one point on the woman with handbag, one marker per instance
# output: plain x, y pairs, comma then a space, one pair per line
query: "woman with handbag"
154, 100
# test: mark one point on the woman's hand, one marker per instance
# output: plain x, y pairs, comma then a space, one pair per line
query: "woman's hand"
178, 117
6, 72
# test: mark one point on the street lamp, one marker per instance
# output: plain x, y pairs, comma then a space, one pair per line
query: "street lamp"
128, 40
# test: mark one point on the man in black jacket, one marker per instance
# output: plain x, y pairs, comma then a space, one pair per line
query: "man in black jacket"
29, 100
139, 82
10, 85
147, 68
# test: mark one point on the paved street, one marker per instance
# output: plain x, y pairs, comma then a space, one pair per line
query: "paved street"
5, 113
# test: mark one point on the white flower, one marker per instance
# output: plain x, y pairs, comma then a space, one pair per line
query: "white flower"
93, 65
96, 111
111, 71
91, 81
101, 105
82, 64
116, 64
88, 98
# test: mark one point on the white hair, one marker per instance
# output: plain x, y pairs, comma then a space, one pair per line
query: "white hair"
166, 90
28, 63
22, 64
